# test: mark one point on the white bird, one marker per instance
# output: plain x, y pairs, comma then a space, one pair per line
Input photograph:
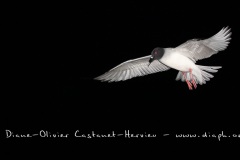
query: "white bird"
182, 58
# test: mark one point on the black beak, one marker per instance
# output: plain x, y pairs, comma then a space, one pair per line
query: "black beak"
150, 61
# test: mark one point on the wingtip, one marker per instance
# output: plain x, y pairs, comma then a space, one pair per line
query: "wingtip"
224, 35
96, 78
99, 78
227, 30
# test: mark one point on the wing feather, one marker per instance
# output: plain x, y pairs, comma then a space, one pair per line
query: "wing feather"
132, 68
200, 49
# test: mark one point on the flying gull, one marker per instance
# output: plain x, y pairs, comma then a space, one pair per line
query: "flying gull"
181, 58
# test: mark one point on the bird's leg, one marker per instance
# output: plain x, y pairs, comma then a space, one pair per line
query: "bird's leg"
192, 79
188, 83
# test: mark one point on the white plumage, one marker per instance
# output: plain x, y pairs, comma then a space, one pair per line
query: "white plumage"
132, 68
182, 58
200, 49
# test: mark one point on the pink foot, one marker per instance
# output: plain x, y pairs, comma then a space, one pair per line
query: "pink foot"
194, 83
192, 79
188, 83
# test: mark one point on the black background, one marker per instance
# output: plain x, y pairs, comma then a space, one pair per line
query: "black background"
57, 49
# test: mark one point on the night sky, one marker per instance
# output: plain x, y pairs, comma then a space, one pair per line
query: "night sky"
56, 50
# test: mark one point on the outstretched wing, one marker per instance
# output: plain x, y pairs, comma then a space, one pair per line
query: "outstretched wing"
132, 68
200, 49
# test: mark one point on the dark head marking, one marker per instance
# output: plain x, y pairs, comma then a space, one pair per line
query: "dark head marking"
156, 54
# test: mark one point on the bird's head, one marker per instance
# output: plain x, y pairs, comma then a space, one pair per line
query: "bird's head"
156, 54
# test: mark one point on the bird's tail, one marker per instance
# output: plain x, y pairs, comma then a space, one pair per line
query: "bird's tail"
201, 75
